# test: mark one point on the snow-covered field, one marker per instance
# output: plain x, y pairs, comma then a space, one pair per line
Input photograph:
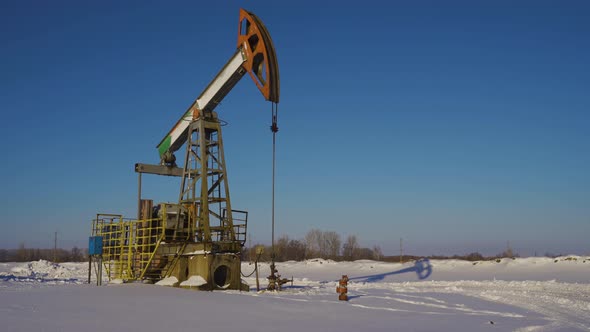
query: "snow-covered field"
525, 294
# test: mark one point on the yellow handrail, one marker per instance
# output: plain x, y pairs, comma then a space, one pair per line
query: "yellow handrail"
129, 246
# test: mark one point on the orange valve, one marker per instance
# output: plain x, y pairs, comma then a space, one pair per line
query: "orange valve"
342, 288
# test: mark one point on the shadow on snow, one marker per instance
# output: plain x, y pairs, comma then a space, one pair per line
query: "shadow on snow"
11, 277
421, 267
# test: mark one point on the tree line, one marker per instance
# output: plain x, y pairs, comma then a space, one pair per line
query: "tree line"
24, 254
315, 244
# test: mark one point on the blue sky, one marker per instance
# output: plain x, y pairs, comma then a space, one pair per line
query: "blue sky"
457, 126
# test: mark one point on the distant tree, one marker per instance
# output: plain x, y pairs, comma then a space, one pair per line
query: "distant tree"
331, 243
281, 248
364, 253
295, 250
377, 253
313, 238
76, 254
35, 254
63, 256
474, 256
350, 249
507, 254
22, 254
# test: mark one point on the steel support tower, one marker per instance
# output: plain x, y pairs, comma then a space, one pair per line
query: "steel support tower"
205, 188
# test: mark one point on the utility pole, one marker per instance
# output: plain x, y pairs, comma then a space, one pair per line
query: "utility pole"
401, 250
250, 247
55, 248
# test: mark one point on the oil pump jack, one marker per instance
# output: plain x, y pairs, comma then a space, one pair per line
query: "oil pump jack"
197, 242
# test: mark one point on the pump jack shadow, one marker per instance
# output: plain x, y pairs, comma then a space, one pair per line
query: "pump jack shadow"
31, 278
422, 268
